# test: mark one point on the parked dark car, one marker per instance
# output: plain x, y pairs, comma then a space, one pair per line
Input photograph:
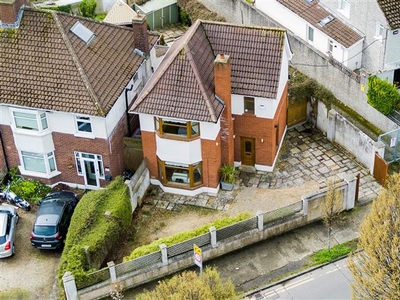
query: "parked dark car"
8, 221
52, 220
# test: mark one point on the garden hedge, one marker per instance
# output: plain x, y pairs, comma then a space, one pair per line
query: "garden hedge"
99, 220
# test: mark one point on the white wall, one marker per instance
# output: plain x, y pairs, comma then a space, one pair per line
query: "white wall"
178, 151
264, 108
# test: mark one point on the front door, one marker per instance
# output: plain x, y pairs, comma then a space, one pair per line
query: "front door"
90, 173
247, 151
90, 166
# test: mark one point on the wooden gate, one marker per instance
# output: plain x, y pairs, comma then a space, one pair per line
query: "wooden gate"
381, 169
133, 153
297, 113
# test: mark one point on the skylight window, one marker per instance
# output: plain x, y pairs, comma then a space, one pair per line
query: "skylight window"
326, 20
82, 32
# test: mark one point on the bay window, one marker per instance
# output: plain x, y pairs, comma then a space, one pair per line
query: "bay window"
184, 175
36, 121
38, 162
176, 128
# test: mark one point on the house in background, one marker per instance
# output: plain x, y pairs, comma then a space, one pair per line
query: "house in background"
321, 29
379, 21
218, 97
66, 86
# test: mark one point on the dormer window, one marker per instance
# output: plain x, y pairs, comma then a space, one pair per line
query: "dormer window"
181, 129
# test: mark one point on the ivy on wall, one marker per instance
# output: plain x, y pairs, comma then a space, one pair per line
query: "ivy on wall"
382, 95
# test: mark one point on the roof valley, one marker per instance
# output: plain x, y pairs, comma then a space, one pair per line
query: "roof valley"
85, 79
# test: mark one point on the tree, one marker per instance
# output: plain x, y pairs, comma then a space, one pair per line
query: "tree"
190, 286
331, 207
376, 269
87, 8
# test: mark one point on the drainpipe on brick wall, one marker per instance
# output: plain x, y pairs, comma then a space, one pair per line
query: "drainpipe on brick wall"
127, 108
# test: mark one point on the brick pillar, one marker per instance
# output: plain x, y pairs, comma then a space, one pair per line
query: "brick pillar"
222, 77
140, 34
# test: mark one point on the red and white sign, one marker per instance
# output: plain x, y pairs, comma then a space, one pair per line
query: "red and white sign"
198, 260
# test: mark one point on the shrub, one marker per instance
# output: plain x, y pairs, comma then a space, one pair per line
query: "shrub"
382, 95
91, 233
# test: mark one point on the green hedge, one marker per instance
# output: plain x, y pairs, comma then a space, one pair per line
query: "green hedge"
183, 236
382, 95
91, 229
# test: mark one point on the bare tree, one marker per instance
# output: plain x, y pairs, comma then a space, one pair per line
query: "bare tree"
376, 269
332, 206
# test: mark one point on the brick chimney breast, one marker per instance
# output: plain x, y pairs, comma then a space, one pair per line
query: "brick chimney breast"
9, 10
140, 33
223, 89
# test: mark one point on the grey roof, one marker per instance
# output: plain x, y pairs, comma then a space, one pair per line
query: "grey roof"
183, 85
391, 10
44, 65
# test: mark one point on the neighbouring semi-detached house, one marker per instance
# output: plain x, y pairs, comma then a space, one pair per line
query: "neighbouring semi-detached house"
219, 96
320, 28
66, 86
379, 21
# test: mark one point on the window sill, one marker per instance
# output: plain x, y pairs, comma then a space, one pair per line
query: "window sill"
20, 131
38, 174
177, 137
88, 135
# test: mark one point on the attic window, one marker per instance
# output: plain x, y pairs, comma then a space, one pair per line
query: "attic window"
326, 20
82, 32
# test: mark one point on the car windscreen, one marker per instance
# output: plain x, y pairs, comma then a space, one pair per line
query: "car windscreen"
2, 239
44, 230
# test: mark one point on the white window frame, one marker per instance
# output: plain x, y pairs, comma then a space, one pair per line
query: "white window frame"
83, 120
98, 159
344, 8
309, 30
30, 116
379, 30
45, 160
330, 46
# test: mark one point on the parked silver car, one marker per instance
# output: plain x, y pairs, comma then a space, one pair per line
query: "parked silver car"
8, 221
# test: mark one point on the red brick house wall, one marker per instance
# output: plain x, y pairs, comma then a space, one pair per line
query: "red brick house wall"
248, 125
211, 161
149, 152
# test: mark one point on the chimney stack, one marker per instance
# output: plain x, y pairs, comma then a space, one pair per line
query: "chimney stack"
9, 10
223, 87
140, 33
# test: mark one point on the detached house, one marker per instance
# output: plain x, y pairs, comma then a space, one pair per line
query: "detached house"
379, 21
66, 86
320, 28
218, 97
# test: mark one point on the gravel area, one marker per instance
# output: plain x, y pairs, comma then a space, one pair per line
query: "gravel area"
30, 271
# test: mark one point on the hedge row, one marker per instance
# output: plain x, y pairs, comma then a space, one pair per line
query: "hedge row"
92, 232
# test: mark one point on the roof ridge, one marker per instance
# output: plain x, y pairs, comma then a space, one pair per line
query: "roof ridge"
201, 84
78, 65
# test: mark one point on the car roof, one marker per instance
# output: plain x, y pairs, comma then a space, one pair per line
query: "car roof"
61, 195
51, 207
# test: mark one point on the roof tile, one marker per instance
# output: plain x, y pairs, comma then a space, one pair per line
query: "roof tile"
38, 69
183, 85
